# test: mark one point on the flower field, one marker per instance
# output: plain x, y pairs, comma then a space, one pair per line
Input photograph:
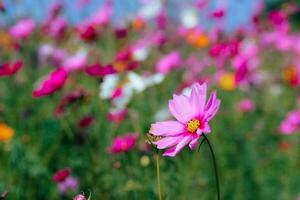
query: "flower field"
150, 106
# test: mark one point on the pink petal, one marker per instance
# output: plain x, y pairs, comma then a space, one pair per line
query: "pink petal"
175, 150
212, 106
167, 128
181, 108
194, 142
198, 98
168, 142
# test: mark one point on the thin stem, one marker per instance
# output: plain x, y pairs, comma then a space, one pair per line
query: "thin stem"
158, 176
215, 165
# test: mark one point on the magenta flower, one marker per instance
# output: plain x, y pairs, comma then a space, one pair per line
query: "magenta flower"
291, 123
22, 29
169, 62
9, 69
54, 82
192, 114
124, 143
100, 70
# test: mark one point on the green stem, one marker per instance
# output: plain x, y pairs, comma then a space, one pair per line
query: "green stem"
215, 166
158, 176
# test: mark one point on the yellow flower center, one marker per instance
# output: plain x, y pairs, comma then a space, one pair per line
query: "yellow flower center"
193, 125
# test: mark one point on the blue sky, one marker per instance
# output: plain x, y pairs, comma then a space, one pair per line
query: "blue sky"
239, 11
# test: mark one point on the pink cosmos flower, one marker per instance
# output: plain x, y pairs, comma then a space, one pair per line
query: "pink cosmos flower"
291, 123
124, 143
246, 105
169, 62
22, 29
79, 197
192, 114
9, 69
69, 184
54, 82
75, 62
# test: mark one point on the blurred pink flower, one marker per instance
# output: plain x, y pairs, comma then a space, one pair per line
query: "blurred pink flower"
75, 62
69, 184
22, 29
124, 143
192, 114
54, 82
169, 62
117, 116
291, 123
246, 105
9, 69
57, 27
101, 16
99, 70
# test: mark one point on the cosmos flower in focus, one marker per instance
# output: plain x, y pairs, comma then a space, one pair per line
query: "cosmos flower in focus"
124, 143
192, 114
9, 69
54, 82
6, 133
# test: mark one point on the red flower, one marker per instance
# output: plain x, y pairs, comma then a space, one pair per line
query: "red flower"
9, 69
61, 175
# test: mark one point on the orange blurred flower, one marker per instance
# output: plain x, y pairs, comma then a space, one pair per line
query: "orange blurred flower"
6, 133
197, 39
227, 81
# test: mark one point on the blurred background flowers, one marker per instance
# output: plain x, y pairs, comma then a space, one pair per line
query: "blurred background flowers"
81, 82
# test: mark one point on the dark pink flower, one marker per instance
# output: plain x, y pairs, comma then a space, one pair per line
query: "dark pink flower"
61, 175
54, 82
100, 70
86, 121
87, 32
124, 143
9, 69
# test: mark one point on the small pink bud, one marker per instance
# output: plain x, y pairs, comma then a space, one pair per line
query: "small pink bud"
79, 197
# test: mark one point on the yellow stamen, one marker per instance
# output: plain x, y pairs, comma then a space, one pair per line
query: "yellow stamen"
193, 125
